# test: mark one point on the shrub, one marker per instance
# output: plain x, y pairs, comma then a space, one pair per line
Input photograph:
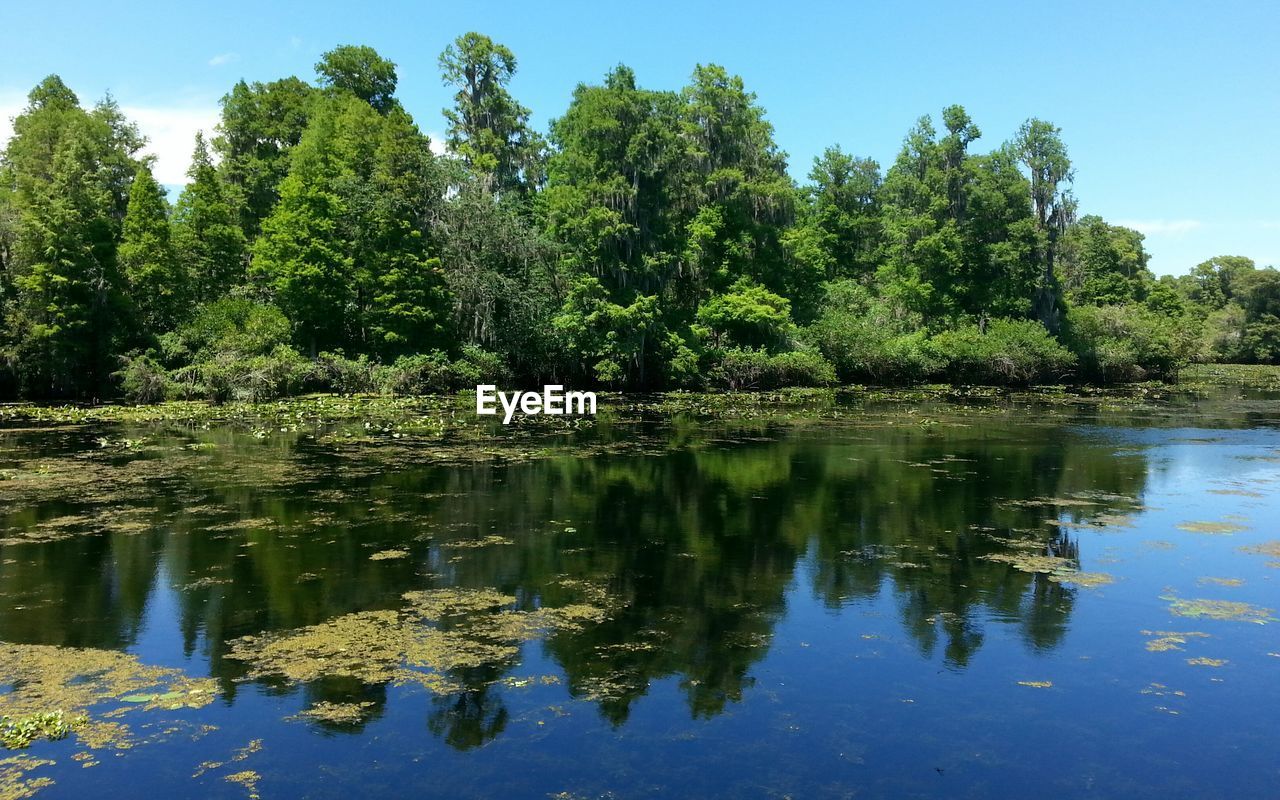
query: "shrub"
227, 376
1008, 352
337, 373
142, 378
744, 368
748, 315
433, 372
868, 339
1129, 342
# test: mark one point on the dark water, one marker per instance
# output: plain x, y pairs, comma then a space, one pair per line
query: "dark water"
835, 606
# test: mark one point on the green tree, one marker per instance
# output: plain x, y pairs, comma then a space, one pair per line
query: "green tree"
205, 235
260, 124
1040, 148
362, 72
67, 188
959, 235
488, 129
346, 250
1103, 264
302, 255
748, 315
844, 209
157, 283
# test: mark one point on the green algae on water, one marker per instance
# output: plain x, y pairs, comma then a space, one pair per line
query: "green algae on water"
14, 784
1171, 640
1229, 610
1056, 568
437, 632
47, 678
1220, 528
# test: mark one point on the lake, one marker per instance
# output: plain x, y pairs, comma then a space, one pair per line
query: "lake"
857, 594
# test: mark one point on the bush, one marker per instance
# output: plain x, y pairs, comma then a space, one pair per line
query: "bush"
744, 368
1008, 352
228, 376
748, 315
142, 378
1129, 342
428, 373
867, 339
337, 373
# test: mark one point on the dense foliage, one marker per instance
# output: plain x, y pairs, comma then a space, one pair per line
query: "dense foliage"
650, 239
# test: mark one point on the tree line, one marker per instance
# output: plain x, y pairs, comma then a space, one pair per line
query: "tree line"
649, 239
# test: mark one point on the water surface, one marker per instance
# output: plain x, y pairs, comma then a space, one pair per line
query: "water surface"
859, 597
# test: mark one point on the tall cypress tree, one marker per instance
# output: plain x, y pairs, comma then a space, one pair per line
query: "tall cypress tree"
63, 168
157, 284
208, 242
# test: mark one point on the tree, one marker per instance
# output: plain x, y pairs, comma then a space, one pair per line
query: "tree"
362, 72
1103, 264
959, 236
346, 250
748, 315
1040, 149
260, 124
157, 284
614, 185
488, 129
206, 237
500, 276
66, 190
301, 255
401, 287
739, 184
845, 210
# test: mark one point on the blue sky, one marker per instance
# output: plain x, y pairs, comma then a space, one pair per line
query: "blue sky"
1171, 110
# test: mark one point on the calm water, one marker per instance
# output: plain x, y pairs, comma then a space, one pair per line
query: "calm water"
843, 603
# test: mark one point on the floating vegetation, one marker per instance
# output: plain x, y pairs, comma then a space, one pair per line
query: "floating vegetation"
336, 713
1221, 581
1237, 492
1037, 684
1171, 640
205, 583
486, 541
248, 779
1160, 690
437, 632
1056, 568
14, 784
1206, 662
1221, 528
1270, 549
388, 555
16, 733
70, 681
1219, 609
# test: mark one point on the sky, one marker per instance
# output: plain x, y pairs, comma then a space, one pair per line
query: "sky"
1170, 110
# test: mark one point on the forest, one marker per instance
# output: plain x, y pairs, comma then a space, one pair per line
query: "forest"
648, 240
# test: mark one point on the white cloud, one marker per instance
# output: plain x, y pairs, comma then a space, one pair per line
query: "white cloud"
437, 143
223, 58
11, 105
170, 131
1161, 227
171, 136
